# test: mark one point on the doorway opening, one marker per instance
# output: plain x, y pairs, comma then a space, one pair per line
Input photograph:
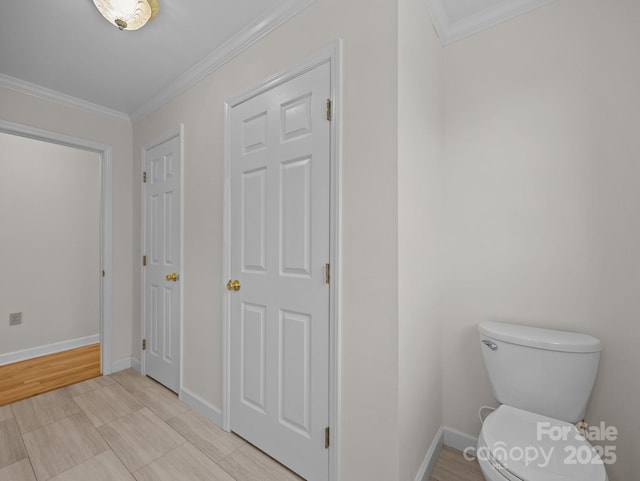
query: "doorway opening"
65, 257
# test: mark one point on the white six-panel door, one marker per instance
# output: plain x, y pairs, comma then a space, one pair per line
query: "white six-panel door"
162, 251
279, 344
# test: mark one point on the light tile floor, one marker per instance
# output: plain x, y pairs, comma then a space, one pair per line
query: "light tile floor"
452, 466
126, 427
122, 427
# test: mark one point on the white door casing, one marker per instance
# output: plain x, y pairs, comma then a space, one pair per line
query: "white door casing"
280, 170
162, 251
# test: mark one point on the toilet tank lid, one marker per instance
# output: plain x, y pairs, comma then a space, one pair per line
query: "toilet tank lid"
536, 337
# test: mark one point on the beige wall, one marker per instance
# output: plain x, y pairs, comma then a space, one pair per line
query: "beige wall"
420, 157
50, 218
542, 216
35, 112
369, 325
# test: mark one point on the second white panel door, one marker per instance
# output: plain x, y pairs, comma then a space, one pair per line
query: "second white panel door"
162, 250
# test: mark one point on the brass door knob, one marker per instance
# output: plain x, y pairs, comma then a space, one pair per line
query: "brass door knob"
233, 285
171, 277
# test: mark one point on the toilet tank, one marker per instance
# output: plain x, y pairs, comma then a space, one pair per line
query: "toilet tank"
543, 371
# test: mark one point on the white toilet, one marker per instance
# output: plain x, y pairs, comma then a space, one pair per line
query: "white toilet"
543, 379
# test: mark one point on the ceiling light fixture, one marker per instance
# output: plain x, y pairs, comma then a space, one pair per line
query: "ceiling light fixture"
128, 14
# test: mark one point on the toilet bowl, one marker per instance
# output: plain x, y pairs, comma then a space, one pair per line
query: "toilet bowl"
517, 445
543, 379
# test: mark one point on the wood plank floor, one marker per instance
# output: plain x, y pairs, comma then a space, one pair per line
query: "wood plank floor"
24, 379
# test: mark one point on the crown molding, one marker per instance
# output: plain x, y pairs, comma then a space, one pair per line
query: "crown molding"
220, 56
452, 32
60, 98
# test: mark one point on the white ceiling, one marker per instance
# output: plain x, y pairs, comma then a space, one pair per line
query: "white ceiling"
66, 50
66, 46
456, 19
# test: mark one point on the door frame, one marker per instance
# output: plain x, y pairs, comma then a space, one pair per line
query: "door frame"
171, 134
105, 156
331, 54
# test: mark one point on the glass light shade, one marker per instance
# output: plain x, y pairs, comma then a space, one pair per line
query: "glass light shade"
128, 14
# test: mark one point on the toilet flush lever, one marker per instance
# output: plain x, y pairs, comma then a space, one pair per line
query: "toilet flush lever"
491, 345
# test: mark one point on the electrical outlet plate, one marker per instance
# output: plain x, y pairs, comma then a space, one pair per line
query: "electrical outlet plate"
15, 318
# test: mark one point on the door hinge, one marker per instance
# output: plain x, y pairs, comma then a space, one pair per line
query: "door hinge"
144, 260
327, 273
144, 177
144, 344
329, 110
104, 273
326, 438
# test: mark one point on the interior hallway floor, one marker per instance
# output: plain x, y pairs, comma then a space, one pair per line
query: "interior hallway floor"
127, 427
452, 466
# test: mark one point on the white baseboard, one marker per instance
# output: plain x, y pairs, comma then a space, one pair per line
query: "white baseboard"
39, 351
432, 456
125, 363
458, 440
202, 406
135, 364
